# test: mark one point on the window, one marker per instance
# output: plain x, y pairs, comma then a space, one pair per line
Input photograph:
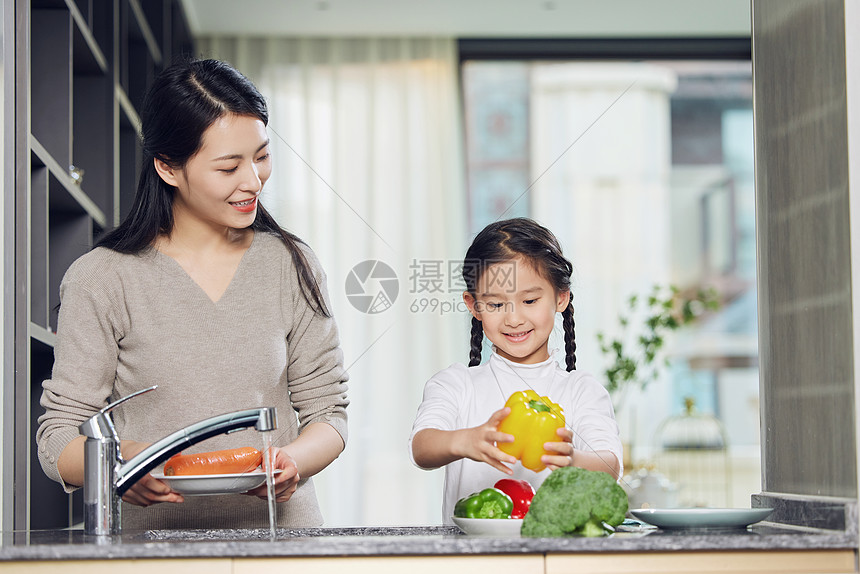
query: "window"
644, 171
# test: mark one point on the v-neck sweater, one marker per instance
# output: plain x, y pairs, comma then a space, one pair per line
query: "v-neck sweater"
127, 322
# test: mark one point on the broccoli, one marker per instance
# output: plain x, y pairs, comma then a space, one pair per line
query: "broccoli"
575, 502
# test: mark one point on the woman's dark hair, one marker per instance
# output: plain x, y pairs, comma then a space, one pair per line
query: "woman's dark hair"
525, 239
185, 99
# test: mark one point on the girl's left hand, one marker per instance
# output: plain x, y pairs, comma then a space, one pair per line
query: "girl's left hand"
286, 481
564, 450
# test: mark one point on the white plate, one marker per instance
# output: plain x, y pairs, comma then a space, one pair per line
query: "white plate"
701, 517
214, 483
508, 527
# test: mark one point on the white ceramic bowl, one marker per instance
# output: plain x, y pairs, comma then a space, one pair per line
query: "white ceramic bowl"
203, 484
502, 527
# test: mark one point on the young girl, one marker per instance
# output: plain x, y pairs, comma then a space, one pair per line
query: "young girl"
516, 281
200, 292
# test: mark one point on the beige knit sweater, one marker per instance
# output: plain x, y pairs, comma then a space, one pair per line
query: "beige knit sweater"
127, 322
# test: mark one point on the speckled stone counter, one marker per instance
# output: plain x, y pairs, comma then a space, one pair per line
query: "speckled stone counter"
403, 541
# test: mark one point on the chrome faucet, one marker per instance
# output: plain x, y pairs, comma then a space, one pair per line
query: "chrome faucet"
107, 476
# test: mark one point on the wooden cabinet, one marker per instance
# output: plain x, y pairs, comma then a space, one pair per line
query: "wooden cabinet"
776, 562
82, 68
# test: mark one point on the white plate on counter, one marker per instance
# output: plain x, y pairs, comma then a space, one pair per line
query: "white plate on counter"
214, 483
505, 527
701, 517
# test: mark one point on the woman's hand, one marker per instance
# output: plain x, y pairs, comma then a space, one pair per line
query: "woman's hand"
148, 490
479, 443
564, 449
286, 481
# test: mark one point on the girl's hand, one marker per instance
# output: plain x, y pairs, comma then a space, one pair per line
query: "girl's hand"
148, 490
286, 481
479, 443
564, 449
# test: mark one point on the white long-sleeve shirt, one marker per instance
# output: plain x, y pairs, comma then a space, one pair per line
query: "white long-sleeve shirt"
464, 397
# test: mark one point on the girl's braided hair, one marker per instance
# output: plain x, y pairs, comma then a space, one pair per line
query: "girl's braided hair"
525, 239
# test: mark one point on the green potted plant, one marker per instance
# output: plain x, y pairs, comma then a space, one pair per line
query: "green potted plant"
633, 356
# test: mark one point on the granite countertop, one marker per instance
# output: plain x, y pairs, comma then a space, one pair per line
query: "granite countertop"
399, 541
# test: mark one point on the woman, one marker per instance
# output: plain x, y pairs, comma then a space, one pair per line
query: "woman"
202, 293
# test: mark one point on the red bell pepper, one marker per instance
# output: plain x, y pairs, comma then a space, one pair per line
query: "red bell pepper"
520, 491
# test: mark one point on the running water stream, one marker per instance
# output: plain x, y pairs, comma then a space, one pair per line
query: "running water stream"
269, 466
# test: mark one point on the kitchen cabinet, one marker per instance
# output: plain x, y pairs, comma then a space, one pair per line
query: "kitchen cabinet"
82, 68
675, 562
704, 562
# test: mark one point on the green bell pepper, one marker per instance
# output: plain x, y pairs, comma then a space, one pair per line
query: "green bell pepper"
489, 503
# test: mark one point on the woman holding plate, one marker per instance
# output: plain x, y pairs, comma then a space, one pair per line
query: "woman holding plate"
200, 292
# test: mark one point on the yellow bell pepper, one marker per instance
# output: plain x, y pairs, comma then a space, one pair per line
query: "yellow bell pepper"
533, 421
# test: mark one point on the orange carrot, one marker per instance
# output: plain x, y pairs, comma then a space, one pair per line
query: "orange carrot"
234, 460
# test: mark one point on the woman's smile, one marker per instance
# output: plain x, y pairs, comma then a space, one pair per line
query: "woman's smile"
231, 166
246, 206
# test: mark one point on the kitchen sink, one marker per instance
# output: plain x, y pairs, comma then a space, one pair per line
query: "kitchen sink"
287, 533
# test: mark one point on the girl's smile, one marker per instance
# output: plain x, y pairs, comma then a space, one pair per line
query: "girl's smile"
518, 337
516, 307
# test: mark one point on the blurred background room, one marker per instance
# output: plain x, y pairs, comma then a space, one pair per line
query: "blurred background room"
400, 130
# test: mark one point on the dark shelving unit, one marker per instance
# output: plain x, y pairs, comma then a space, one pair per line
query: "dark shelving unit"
82, 69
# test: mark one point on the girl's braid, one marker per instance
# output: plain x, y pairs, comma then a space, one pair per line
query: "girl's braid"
569, 337
476, 343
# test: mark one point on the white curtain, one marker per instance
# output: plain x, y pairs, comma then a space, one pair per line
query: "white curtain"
368, 166
604, 128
